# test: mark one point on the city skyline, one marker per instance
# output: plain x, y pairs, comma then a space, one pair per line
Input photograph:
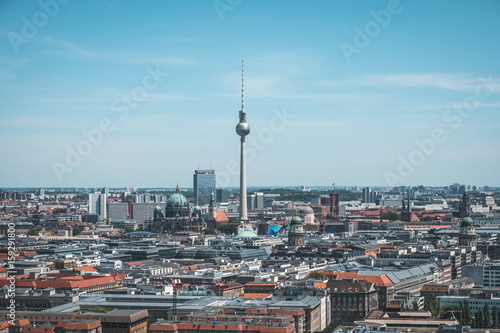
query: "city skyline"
363, 93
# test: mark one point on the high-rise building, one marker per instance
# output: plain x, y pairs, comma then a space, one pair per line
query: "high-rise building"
255, 201
94, 203
97, 203
222, 195
366, 194
204, 186
243, 129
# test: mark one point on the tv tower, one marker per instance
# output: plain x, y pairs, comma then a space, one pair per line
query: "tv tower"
243, 129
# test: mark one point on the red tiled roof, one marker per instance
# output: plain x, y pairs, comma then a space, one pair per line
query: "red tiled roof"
378, 280
78, 325
139, 264
85, 268
37, 330
221, 217
22, 322
68, 282
320, 284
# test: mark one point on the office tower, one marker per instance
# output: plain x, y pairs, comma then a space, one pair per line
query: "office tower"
204, 185
366, 194
118, 211
93, 203
243, 129
250, 201
373, 196
222, 195
97, 203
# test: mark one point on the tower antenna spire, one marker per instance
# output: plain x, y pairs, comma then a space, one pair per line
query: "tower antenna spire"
242, 87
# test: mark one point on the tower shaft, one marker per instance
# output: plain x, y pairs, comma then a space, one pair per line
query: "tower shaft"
243, 129
243, 182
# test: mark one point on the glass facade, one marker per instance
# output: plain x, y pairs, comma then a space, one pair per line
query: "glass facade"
204, 185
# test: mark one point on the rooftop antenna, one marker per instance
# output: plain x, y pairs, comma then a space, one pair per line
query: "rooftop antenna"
242, 87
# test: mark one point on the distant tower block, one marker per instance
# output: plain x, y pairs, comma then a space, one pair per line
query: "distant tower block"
243, 129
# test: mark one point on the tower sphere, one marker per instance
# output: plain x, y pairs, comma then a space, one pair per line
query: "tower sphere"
243, 129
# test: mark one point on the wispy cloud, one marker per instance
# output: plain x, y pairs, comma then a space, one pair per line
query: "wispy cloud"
128, 57
67, 46
453, 81
172, 39
8, 67
171, 61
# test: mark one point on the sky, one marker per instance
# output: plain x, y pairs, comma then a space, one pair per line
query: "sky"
142, 93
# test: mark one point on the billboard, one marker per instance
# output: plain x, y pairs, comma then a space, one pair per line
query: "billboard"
278, 230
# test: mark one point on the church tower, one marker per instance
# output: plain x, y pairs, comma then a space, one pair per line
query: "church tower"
297, 234
406, 210
467, 236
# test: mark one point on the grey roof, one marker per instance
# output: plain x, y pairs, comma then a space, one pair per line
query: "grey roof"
405, 274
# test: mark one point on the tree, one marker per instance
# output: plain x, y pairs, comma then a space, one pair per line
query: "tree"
227, 228
449, 308
209, 231
76, 230
415, 306
494, 317
332, 326
32, 232
391, 216
431, 305
318, 276
486, 316
479, 320
467, 315
462, 310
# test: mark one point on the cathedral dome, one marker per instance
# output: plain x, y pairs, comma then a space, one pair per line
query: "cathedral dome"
247, 234
296, 220
467, 222
177, 200
306, 210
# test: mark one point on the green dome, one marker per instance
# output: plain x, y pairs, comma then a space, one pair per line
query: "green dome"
467, 221
197, 209
177, 200
158, 208
247, 234
296, 220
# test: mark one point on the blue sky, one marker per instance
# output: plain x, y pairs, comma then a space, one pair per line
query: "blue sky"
351, 92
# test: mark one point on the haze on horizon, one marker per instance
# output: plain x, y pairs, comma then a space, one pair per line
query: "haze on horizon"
380, 92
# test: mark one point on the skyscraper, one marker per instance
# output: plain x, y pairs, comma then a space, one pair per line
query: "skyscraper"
243, 129
366, 194
204, 186
97, 203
